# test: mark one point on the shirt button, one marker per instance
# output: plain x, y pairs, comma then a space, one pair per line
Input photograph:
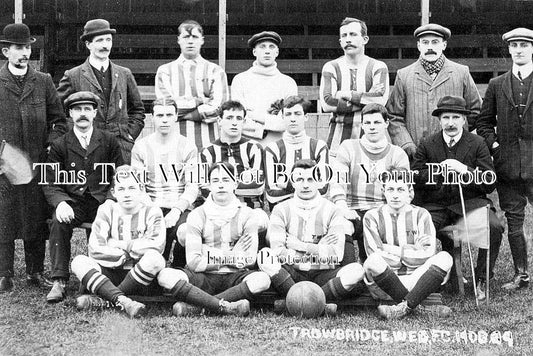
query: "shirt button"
521, 94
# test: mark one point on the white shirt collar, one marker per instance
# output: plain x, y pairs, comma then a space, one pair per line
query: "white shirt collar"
525, 70
98, 64
79, 135
181, 59
17, 71
447, 138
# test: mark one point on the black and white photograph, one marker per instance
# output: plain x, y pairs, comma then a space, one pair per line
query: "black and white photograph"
266, 177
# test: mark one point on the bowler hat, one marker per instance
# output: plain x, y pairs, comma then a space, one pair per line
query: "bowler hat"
82, 97
17, 33
433, 29
450, 103
518, 34
264, 36
96, 27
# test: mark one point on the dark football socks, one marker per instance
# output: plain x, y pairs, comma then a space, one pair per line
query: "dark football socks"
389, 282
100, 285
135, 280
334, 289
240, 291
428, 283
282, 281
186, 292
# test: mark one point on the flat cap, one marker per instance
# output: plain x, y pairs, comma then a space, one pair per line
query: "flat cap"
82, 97
451, 103
433, 29
518, 34
264, 36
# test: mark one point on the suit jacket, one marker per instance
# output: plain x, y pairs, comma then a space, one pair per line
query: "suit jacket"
70, 155
513, 159
471, 151
124, 115
415, 95
30, 118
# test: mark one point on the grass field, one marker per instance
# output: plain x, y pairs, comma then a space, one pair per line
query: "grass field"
29, 326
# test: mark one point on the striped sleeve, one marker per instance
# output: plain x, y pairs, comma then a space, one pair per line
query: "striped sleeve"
196, 255
375, 241
191, 190
153, 238
218, 93
277, 232
341, 168
321, 156
277, 174
425, 241
250, 227
330, 83
163, 87
252, 179
335, 226
99, 248
378, 77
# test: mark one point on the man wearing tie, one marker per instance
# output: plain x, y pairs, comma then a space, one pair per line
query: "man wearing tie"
77, 181
121, 110
510, 141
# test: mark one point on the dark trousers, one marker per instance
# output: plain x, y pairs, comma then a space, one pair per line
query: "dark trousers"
85, 209
34, 251
444, 217
178, 252
513, 200
349, 252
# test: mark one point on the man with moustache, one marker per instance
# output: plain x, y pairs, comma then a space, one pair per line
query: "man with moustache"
198, 86
460, 153
350, 82
121, 110
90, 154
31, 117
506, 123
261, 86
419, 86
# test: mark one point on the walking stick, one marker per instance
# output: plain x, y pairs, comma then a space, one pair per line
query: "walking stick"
468, 243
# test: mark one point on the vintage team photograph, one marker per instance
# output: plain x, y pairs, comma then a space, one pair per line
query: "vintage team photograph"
266, 177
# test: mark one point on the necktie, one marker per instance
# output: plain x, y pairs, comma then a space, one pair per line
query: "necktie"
102, 70
85, 142
451, 143
520, 76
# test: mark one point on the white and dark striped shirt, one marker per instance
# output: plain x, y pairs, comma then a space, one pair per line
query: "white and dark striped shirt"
325, 219
283, 154
362, 169
394, 235
168, 169
199, 87
139, 232
368, 82
246, 156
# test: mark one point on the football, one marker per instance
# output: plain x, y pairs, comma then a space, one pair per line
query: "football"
306, 299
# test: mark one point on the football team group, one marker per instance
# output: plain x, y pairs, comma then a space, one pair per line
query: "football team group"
229, 198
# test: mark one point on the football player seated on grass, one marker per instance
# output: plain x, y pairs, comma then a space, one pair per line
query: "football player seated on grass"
306, 236
402, 262
220, 239
294, 145
125, 246
167, 157
245, 155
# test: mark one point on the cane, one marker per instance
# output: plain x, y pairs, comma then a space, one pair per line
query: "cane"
468, 243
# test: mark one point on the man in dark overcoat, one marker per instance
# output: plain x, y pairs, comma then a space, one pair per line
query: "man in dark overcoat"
121, 109
31, 116
506, 124
446, 158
